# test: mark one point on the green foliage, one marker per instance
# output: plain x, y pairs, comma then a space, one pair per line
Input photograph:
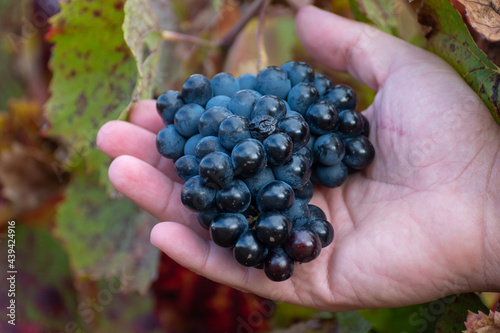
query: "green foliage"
106, 237
454, 316
352, 322
450, 39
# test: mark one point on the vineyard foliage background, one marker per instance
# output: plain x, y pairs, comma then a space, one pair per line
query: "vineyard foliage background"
85, 263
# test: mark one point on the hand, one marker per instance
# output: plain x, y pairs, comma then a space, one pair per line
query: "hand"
420, 223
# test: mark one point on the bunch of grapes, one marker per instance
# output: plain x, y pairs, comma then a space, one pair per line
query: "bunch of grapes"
249, 150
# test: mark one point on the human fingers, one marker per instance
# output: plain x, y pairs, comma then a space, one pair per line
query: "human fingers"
144, 114
346, 45
151, 190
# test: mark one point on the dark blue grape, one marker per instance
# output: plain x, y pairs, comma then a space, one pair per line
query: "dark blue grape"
170, 143
350, 123
277, 265
207, 145
219, 100
168, 104
216, 170
321, 117
225, 84
269, 105
187, 118
307, 153
323, 83
249, 250
296, 172
273, 229
359, 153
331, 176
247, 81
191, 143
298, 214
302, 96
259, 180
211, 119
227, 228
233, 130
273, 80
322, 228
316, 212
299, 72
275, 196
196, 196
262, 127
287, 65
233, 198
197, 89
187, 166
366, 126
342, 97
243, 102
248, 157
305, 193
329, 149
279, 148
206, 217
297, 129
303, 245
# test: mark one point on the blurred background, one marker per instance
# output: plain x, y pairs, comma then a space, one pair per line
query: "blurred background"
83, 259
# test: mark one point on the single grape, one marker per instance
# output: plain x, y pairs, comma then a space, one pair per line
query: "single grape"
287, 65
227, 228
248, 157
187, 118
219, 100
168, 104
247, 81
170, 143
322, 228
197, 89
273, 229
296, 172
273, 80
225, 84
304, 193
211, 119
298, 213
207, 145
299, 72
233, 198
196, 196
366, 126
359, 153
233, 130
243, 102
342, 97
316, 212
331, 176
269, 105
262, 127
307, 153
298, 130
323, 83
191, 143
206, 217
275, 196
303, 245
350, 123
216, 170
259, 180
302, 96
187, 166
321, 117
249, 250
277, 265
329, 149
279, 148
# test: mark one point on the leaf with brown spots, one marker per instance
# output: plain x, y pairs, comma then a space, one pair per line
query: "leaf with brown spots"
484, 17
94, 76
449, 38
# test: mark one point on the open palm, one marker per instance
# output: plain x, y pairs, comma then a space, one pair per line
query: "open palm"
418, 224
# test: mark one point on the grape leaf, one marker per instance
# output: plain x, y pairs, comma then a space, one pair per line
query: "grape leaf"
484, 17
449, 38
455, 313
106, 237
94, 75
